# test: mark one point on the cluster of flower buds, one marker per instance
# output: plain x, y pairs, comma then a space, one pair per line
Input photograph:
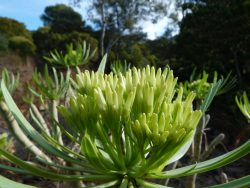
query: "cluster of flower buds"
143, 101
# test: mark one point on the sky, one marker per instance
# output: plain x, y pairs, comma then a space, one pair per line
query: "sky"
29, 12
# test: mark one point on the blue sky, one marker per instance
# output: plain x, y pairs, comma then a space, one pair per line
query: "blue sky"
29, 12
26, 11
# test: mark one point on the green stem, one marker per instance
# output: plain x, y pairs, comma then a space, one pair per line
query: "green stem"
108, 146
54, 104
196, 152
19, 134
40, 118
216, 141
119, 146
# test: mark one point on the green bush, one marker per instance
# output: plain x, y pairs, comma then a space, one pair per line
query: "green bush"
22, 45
15, 37
47, 41
136, 54
4, 43
10, 28
62, 19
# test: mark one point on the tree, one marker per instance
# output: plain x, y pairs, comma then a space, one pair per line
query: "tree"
10, 28
4, 43
15, 37
62, 19
122, 17
47, 41
22, 45
133, 49
214, 35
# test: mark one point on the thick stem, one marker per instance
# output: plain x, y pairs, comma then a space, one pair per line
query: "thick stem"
104, 25
198, 138
191, 181
40, 118
216, 141
19, 134
173, 166
224, 178
53, 106
197, 148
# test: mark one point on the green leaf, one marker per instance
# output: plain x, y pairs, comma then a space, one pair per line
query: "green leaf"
147, 184
102, 65
45, 173
210, 95
243, 182
205, 166
7, 183
124, 183
69, 168
244, 105
227, 84
29, 130
172, 153
13, 169
104, 185
182, 150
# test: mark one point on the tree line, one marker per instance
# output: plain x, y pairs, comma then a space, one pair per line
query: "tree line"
213, 35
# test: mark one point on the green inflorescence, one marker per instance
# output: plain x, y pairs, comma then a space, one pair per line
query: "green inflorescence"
140, 109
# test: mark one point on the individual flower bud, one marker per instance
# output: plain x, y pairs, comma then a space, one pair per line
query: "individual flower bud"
162, 121
129, 102
137, 129
115, 101
79, 80
158, 75
164, 137
166, 73
179, 96
179, 134
149, 98
155, 137
153, 124
109, 95
144, 125
152, 79
136, 76
101, 102
147, 71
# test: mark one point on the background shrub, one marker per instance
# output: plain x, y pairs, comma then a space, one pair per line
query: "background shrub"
21, 45
4, 43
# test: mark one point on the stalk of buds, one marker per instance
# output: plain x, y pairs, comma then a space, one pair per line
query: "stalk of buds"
140, 109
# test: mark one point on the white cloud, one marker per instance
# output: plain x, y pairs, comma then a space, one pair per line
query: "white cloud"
154, 30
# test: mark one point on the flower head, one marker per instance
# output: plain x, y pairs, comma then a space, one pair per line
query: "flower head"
140, 109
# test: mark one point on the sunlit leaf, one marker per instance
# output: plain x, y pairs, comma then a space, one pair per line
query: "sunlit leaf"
102, 65
243, 182
7, 183
208, 165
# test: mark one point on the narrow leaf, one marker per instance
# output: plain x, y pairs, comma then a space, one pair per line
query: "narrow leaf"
7, 183
102, 65
210, 95
29, 130
104, 185
147, 184
205, 166
238, 183
45, 173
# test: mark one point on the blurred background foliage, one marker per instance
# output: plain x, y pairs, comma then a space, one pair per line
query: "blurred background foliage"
15, 37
